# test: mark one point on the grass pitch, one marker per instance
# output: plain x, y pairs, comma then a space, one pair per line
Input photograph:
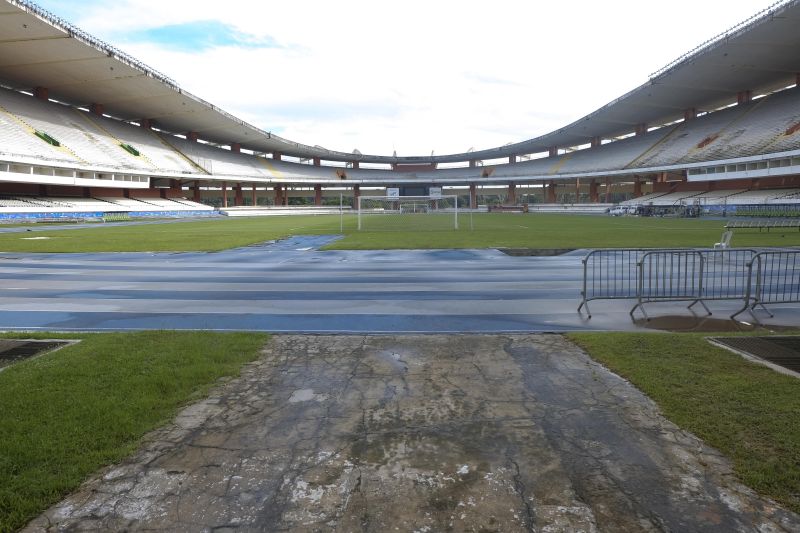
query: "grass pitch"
490, 230
67, 413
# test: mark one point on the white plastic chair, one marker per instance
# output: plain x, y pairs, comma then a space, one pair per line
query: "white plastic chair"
725, 241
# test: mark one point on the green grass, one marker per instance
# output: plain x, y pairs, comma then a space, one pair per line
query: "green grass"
507, 230
490, 230
747, 411
68, 413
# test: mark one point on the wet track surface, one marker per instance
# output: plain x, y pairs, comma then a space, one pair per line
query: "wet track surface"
291, 286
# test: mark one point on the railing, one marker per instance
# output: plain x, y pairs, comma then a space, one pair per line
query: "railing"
610, 275
773, 278
693, 275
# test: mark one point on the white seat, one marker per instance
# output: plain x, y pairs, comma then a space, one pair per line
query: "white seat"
725, 241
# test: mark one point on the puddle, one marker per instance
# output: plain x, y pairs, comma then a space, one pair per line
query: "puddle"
35, 238
535, 252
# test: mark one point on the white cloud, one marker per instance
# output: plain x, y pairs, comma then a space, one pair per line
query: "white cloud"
419, 76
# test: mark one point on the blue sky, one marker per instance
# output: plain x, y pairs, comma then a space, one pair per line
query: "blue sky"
414, 76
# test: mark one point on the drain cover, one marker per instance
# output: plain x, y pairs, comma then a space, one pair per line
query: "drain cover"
13, 350
778, 350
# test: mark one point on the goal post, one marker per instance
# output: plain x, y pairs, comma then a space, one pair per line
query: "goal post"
403, 213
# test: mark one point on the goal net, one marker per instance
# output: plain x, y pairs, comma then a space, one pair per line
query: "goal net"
403, 213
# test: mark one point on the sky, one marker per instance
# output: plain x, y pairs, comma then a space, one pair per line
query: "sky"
412, 77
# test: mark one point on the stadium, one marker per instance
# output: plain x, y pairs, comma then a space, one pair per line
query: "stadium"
208, 326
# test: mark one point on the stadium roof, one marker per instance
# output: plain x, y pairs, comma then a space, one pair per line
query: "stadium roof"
39, 49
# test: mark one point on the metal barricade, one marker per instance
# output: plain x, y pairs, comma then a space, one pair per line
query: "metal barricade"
609, 275
773, 278
653, 275
669, 276
692, 275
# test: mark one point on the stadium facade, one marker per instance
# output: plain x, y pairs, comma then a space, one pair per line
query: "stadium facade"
85, 127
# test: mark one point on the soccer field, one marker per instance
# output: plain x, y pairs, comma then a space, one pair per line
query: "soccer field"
485, 230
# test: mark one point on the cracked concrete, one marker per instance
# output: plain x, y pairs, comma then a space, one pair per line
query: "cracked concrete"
420, 433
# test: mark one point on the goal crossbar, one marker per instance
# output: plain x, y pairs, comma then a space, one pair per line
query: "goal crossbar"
443, 207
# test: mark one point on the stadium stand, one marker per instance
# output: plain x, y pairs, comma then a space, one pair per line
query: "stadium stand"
638, 142
220, 162
169, 204
88, 143
718, 197
738, 131
762, 130
160, 154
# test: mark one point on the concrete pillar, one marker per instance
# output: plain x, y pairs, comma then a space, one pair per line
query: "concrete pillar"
146, 123
473, 196
175, 188
236, 148
317, 194
637, 187
577, 190
690, 114
286, 196
551, 192
552, 151
317, 162
744, 97
356, 194
254, 196
608, 189
595, 142
473, 163
355, 164
224, 194
511, 199
276, 156
278, 195
641, 129
196, 191
594, 195
97, 109
238, 199
191, 136
42, 93
512, 159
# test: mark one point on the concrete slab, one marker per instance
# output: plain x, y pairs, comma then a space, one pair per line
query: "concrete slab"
420, 433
